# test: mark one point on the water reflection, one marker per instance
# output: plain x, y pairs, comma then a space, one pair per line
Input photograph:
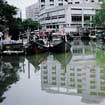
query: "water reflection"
36, 60
100, 45
82, 77
80, 72
9, 67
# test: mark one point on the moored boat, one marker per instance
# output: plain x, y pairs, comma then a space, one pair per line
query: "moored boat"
10, 47
59, 43
53, 42
59, 46
15, 48
37, 46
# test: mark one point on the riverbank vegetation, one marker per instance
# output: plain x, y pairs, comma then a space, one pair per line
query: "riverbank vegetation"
99, 18
9, 22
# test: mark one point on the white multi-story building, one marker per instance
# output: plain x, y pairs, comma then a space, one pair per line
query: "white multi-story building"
68, 14
32, 12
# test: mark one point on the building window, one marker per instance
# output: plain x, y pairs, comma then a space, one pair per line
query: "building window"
45, 77
61, 16
57, 26
42, 0
70, 3
60, 4
86, 18
47, 18
53, 83
54, 17
54, 67
47, 26
45, 67
76, 18
42, 5
77, 2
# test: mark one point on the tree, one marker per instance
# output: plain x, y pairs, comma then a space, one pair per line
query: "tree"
29, 23
8, 20
7, 13
99, 19
16, 28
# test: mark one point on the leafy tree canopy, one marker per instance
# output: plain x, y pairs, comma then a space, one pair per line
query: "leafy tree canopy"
99, 19
7, 13
29, 23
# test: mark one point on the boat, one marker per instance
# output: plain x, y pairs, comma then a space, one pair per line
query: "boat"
37, 43
51, 42
58, 46
37, 46
92, 34
59, 43
92, 37
12, 48
69, 37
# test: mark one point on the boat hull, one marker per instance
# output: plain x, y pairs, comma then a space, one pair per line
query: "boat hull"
54, 47
36, 48
61, 47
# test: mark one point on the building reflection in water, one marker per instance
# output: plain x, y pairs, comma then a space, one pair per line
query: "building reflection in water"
82, 77
9, 68
80, 72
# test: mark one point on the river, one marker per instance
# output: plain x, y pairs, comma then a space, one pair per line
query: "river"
76, 77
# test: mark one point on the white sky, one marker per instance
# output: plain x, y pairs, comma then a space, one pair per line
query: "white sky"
22, 4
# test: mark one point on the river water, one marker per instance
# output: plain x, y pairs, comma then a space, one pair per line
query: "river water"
76, 77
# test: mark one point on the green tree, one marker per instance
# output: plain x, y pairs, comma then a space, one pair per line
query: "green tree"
15, 28
99, 19
8, 20
7, 13
29, 23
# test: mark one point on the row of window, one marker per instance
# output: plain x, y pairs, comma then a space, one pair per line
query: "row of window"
53, 17
53, 26
79, 18
79, 2
73, 18
61, 4
50, 0
62, 0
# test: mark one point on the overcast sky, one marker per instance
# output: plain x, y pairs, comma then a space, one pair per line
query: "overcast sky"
22, 4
